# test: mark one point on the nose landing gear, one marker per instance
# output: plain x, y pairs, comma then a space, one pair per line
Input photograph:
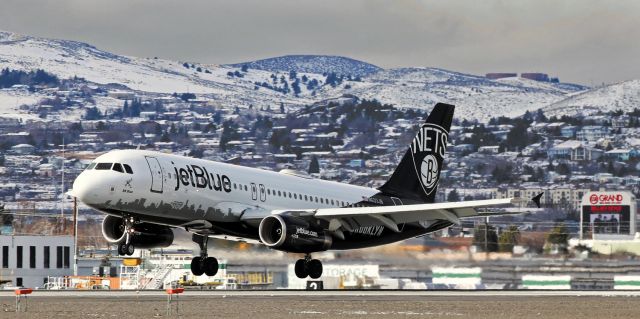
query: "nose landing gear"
203, 264
126, 247
308, 267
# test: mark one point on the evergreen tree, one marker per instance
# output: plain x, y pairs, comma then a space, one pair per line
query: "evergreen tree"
485, 239
314, 166
509, 238
453, 196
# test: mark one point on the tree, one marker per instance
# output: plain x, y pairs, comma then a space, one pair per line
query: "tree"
92, 113
314, 166
509, 238
503, 174
165, 137
281, 108
245, 68
485, 241
296, 87
559, 237
453, 196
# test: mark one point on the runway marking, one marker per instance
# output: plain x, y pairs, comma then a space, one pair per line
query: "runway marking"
328, 293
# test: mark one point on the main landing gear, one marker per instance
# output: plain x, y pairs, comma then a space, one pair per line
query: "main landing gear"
203, 264
308, 267
126, 247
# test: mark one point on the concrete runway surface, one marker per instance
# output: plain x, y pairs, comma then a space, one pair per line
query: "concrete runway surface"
325, 304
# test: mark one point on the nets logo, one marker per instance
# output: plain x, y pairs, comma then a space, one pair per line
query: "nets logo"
605, 199
428, 149
429, 171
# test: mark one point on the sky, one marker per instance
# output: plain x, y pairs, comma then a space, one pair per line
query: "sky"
582, 41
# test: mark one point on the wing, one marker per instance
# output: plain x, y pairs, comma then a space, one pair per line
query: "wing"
425, 214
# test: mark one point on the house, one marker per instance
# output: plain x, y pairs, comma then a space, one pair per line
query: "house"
494, 149
568, 131
23, 149
592, 133
619, 154
575, 151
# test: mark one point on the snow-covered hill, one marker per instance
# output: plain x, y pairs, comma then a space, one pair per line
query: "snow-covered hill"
620, 96
313, 64
267, 82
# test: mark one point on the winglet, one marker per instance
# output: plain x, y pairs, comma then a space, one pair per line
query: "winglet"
536, 199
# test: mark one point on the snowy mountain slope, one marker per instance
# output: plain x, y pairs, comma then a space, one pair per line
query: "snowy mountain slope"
228, 86
318, 64
474, 96
620, 96
69, 58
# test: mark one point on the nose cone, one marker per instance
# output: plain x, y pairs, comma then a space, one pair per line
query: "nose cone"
84, 188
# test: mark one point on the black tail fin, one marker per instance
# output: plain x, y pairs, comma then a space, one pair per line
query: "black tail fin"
418, 173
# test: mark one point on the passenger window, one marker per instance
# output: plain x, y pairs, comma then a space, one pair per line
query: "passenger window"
295, 196
104, 166
91, 166
289, 195
305, 197
332, 202
117, 167
316, 199
235, 186
279, 194
245, 188
128, 169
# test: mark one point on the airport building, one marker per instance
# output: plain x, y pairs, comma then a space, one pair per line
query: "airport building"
28, 261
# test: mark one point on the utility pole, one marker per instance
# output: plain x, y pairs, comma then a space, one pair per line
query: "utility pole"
75, 236
486, 237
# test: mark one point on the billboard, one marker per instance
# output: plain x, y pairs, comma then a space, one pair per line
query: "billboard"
607, 214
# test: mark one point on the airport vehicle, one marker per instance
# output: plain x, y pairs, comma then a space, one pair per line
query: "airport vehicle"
145, 194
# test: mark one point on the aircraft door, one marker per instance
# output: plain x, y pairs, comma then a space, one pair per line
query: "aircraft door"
263, 193
156, 174
254, 191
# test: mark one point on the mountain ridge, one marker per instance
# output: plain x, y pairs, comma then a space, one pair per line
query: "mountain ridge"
228, 85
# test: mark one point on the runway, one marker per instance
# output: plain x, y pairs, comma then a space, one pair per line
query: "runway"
324, 304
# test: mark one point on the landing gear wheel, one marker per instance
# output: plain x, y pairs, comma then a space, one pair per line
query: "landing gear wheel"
314, 268
196, 266
301, 269
122, 249
210, 266
130, 249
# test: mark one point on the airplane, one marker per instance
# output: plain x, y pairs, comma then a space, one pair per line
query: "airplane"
147, 194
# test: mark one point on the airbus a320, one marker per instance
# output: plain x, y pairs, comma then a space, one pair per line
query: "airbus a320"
146, 195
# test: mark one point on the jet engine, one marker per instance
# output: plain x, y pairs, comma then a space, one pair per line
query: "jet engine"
293, 234
145, 235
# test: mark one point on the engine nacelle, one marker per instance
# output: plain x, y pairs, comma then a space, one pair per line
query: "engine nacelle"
146, 235
293, 234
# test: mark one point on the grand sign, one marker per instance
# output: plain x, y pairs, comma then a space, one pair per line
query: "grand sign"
607, 213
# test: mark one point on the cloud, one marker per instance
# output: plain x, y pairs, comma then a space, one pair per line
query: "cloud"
583, 41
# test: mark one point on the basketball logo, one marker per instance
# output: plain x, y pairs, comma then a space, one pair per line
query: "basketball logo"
429, 171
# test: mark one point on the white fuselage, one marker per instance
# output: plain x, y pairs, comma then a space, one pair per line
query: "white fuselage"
176, 190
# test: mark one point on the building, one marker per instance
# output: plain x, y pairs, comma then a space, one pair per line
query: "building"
592, 133
575, 151
543, 77
27, 261
495, 76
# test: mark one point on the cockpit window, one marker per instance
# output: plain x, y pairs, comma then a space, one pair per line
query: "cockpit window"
117, 167
127, 168
91, 166
103, 166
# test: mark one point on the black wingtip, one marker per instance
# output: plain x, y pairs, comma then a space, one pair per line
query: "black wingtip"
536, 199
